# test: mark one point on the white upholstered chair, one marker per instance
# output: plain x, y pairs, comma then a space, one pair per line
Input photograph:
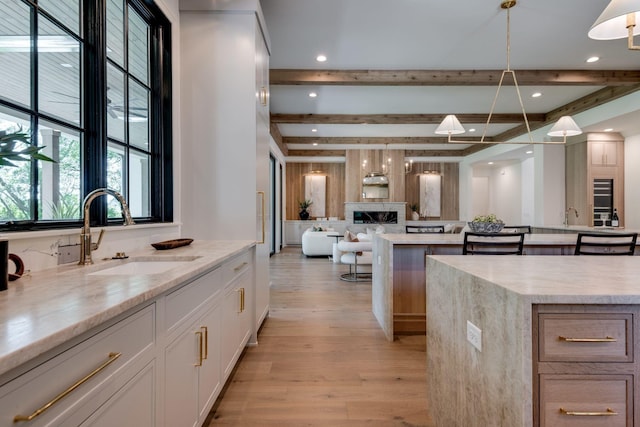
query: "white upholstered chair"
356, 255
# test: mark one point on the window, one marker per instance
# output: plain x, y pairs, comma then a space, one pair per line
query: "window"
90, 81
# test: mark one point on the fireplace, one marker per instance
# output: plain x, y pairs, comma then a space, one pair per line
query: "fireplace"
362, 215
375, 217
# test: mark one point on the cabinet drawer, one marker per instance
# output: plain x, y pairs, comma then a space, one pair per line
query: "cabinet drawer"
585, 337
586, 400
94, 358
184, 301
236, 266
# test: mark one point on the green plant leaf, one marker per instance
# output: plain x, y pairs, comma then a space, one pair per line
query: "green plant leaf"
10, 154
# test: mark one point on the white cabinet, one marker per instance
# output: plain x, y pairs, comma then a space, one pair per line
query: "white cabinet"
208, 324
133, 405
236, 313
91, 381
192, 354
162, 364
225, 128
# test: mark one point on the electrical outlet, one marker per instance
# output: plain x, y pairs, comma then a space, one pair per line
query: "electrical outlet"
474, 335
68, 254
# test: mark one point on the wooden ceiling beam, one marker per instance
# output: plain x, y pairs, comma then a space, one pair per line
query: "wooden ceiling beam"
379, 119
371, 140
434, 153
453, 77
317, 153
585, 103
277, 137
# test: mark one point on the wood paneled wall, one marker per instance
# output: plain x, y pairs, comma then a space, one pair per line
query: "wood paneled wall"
449, 196
335, 196
344, 182
355, 172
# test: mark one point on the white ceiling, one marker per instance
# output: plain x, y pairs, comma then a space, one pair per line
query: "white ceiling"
434, 35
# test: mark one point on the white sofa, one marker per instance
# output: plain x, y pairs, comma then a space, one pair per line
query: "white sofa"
318, 243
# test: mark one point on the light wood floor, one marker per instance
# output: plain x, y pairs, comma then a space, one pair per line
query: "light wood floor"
322, 359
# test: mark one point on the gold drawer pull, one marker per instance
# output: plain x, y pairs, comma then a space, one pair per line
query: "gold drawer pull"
588, 414
607, 339
240, 299
206, 341
199, 335
240, 267
112, 358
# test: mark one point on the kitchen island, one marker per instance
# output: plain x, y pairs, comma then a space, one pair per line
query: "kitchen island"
398, 291
557, 341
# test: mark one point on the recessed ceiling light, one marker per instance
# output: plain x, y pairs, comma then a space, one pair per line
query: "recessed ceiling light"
312, 94
472, 130
536, 94
530, 152
490, 163
314, 130
608, 130
315, 144
593, 59
321, 58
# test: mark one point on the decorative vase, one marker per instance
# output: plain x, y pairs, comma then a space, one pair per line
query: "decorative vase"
415, 216
304, 215
485, 227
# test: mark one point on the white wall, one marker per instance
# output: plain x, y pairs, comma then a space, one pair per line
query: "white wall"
527, 191
549, 187
632, 182
479, 196
501, 186
506, 197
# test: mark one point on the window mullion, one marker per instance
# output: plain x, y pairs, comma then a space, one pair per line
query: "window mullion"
94, 160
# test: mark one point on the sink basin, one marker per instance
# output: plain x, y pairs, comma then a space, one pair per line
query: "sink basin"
145, 266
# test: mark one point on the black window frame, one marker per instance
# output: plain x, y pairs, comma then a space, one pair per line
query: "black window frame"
94, 126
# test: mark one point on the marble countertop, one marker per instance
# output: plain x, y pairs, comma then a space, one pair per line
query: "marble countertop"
556, 279
587, 229
457, 239
49, 307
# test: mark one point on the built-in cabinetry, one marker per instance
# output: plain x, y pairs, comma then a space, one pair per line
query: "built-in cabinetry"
225, 138
97, 379
595, 178
585, 369
162, 364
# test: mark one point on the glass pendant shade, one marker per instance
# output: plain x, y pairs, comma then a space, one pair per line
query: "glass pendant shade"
450, 126
612, 23
566, 126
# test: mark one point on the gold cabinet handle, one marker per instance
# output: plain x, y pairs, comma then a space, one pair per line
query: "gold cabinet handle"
199, 335
588, 413
262, 196
206, 341
568, 339
241, 299
240, 267
263, 96
112, 358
